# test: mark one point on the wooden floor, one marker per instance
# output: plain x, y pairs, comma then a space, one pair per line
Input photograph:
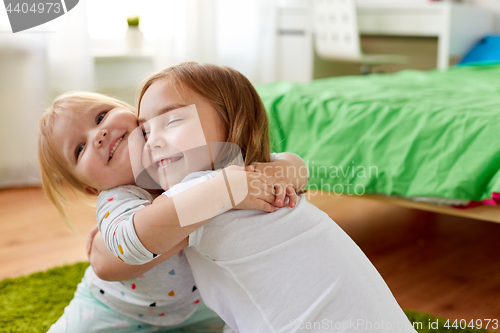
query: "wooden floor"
439, 264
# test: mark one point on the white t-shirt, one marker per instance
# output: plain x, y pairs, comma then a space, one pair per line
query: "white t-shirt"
290, 271
294, 270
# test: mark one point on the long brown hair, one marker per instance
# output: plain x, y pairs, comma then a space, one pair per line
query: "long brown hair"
231, 94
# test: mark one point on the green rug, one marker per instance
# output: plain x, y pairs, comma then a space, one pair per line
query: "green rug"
32, 303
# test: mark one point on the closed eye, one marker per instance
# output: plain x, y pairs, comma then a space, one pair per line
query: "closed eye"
173, 121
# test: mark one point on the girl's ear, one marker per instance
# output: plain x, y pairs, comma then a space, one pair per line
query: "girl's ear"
91, 190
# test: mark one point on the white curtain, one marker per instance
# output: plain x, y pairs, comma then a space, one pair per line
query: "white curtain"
56, 57
69, 58
35, 66
236, 33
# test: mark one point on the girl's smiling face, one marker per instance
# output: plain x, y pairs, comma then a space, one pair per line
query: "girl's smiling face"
176, 129
94, 145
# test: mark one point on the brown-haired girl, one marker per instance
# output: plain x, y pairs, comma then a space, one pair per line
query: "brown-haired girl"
290, 271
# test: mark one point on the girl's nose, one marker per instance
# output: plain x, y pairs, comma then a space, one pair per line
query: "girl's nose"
99, 138
155, 142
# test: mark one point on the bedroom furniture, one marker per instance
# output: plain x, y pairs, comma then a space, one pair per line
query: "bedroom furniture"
423, 136
458, 26
336, 35
484, 212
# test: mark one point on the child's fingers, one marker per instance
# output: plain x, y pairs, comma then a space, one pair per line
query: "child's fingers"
261, 190
280, 194
292, 196
257, 176
250, 168
266, 206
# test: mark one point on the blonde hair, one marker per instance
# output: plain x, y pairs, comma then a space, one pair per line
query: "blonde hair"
54, 169
231, 94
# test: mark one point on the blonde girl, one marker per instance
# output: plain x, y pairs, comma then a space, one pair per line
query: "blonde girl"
291, 271
83, 146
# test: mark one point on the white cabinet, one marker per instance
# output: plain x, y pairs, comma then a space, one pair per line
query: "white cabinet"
457, 26
294, 41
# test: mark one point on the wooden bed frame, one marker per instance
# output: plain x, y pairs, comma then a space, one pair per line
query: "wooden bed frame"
484, 212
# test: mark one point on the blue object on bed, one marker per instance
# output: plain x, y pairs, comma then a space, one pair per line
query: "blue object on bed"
486, 51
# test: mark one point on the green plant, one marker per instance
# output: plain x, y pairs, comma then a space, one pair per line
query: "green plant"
133, 21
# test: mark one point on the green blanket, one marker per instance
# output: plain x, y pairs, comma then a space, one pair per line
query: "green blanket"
410, 133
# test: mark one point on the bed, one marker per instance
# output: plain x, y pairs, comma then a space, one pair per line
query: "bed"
424, 140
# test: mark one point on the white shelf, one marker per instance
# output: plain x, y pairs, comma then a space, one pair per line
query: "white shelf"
457, 26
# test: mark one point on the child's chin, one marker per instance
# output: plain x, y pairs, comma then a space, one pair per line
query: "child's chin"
165, 183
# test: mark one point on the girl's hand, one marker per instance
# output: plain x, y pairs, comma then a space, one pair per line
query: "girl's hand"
90, 240
277, 179
249, 190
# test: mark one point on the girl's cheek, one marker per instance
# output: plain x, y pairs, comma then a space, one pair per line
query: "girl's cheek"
145, 159
189, 137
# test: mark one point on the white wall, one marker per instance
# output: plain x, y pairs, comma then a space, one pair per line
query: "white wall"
35, 66
22, 99
494, 6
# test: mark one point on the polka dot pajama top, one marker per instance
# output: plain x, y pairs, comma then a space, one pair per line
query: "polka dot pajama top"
166, 294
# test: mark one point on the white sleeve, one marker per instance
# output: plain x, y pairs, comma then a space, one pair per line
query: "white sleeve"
115, 210
189, 182
185, 185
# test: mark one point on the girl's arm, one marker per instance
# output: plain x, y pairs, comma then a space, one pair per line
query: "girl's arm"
110, 268
289, 171
199, 203
105, 262
136, 231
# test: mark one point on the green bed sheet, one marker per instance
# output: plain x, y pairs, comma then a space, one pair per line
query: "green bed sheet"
412, 133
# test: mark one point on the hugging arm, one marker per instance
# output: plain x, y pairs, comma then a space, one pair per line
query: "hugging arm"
116, 253
281, 175
110, 268
157, 228
136, 229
